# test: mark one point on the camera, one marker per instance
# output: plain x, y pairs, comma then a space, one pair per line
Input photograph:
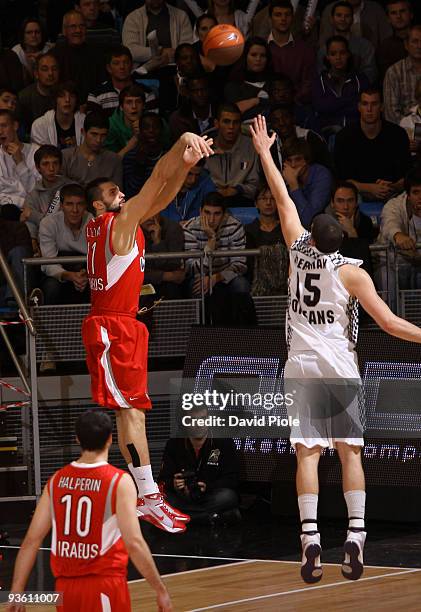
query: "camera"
191, 480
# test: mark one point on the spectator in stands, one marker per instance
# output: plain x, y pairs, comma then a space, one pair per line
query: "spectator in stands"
90, 160
291, 57
215, 229
8, 99
282, 121
401, 79
187, 60
362, 50
235, 166
15, 245
123, 135
38, 98
281, 90
17, 167
247, 85
11, 70
99, 29
171, 24
45, 197
79, 60
225, 11
363, 151
309, 184
204, 23
201, 474
64, 234
140, 161
119, 65
163, 235
410, 121
358, 229
195, 113
392, 49
188, 202
335, 92
32, 44
269, 271
401, 226
261, 24
61, 127
370, 22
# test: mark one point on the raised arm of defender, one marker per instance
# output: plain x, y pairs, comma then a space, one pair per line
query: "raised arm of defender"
290, 221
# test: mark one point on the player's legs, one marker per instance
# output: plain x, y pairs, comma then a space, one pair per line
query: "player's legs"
307, 481
134, 447
354, 493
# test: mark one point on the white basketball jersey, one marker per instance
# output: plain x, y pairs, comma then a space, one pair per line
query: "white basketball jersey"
322, 316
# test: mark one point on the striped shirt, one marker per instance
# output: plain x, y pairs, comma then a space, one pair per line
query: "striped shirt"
107, 97
399, 90
230, 235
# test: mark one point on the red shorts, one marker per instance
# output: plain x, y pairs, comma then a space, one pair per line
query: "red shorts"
94, 594
117, 358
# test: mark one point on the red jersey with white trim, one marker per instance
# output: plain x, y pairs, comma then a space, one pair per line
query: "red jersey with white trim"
115, 280
85, 537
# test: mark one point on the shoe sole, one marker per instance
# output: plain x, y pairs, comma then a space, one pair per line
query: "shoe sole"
183, 519
309, 572
151, 519
354, 569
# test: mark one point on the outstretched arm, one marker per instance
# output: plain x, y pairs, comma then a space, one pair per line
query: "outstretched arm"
161, 188
358, 283
290, 221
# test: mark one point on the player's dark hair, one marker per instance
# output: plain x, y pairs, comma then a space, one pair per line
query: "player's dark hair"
132, 91
96, 119
341, 4
345, 185
47, 151
118, 51
327, 233
227, 107
412, 179
93, 190
280, 4
73, 189
213, 198
93, 428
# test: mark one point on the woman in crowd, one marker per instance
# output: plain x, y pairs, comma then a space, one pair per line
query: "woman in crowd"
247, 83
32, 43
336, 90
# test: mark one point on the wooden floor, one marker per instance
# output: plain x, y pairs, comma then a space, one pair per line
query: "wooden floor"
269, 586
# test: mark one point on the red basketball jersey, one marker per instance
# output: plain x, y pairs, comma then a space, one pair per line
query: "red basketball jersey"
85, 537
115, 280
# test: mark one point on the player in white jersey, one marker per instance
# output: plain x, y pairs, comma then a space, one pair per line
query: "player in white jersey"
322, 326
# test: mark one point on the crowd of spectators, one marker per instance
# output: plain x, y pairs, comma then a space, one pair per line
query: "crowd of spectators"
95, 88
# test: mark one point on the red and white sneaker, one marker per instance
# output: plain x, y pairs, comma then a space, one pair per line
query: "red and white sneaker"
154, 509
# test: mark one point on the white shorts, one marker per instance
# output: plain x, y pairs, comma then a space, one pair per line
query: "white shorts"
328, 407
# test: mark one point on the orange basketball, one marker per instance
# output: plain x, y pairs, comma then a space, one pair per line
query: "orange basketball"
223, 45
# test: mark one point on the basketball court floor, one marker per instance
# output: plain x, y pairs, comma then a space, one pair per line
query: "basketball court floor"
254, 566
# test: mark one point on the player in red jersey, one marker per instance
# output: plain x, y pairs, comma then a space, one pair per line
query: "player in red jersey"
116, 343
90, 506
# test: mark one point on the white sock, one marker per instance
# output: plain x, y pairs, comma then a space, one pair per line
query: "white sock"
143, 479
307, 505
355, 502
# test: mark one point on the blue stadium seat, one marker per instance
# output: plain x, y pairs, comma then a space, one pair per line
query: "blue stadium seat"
372, 210
245, 214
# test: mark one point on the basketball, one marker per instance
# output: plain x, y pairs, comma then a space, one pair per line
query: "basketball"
223, 45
